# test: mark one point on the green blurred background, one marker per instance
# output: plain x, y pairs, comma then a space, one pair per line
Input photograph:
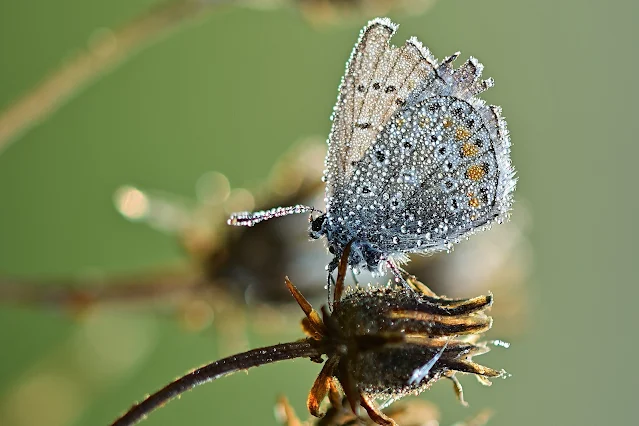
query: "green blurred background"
231, 92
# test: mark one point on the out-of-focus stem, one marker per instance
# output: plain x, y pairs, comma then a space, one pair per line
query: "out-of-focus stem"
100, 57
78, 294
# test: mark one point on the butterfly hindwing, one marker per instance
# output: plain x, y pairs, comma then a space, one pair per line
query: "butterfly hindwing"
438, 171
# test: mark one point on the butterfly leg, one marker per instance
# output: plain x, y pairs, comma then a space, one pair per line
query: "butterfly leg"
330, 284
355, 280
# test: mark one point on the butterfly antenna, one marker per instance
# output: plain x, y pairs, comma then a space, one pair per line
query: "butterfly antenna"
252, 218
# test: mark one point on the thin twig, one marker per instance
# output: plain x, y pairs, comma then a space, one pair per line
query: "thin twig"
78, 293
253, 358
100, 57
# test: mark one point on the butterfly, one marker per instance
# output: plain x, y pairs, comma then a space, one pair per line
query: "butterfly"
415, 162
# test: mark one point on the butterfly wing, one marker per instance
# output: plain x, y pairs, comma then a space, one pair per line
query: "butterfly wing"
438, 171
471, 182
378, 80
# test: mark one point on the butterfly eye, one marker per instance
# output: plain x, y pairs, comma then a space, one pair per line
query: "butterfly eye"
316, 224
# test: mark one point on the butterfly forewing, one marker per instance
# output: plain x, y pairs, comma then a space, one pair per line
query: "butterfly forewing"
378, 78
400, 75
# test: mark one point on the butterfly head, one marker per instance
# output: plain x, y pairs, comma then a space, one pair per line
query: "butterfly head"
316, 229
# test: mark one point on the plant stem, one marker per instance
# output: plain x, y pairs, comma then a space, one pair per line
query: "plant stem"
101, 56
79, 294
253, 358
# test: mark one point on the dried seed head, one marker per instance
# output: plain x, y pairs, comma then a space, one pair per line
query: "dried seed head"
394, 341
403, 332
391, 333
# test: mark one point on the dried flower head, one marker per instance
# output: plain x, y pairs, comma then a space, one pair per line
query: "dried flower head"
392, 342
378, 342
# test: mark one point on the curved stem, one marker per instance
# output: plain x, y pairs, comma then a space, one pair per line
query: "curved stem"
253, 358
99, 58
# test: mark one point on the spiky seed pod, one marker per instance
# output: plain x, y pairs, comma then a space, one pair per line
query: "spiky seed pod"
404, 332
392, 342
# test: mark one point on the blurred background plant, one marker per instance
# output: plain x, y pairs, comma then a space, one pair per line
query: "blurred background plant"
413, 413
165, 92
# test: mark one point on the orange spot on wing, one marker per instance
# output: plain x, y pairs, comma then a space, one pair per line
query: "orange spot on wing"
469, 150
476, 172
462, 133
